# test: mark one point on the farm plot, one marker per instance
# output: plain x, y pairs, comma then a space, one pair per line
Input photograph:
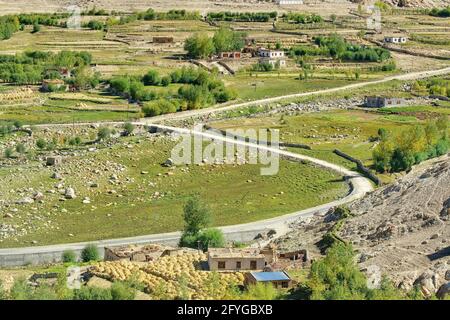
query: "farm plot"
162, 278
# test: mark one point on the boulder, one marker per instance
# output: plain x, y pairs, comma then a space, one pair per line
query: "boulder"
428, 282
443, 291
26, 200
168, 163
53, 160
70, 193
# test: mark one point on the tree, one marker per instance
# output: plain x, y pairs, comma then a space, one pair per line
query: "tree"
152, 78
199, 46
228, 40
90, 253
337, 276
196, 216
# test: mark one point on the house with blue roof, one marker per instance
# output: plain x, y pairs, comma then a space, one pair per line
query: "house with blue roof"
279, 279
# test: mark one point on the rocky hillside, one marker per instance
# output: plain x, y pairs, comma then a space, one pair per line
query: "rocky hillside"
402, 230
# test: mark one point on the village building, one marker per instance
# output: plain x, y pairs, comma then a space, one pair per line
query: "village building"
288, 2
274, 57
395, 39
230, 55
234, 259
161, 39
279, 279
380, 102
49, 84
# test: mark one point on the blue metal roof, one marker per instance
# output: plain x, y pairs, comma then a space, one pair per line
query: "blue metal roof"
270, 276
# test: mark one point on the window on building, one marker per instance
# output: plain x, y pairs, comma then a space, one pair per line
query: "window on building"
238, 264
221, 264
285, 284
253, 264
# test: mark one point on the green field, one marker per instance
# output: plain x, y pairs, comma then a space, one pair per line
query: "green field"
347, 130
147, 199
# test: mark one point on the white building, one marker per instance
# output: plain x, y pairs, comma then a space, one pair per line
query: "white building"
288, 2
396, 39
267, 53
275, 57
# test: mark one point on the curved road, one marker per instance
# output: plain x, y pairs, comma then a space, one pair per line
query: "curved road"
359, 184
242, 232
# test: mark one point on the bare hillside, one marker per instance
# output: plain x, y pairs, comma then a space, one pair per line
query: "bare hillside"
402, 230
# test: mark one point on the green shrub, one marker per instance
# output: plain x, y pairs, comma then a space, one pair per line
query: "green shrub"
104, 133
122, 291
92, 293
8, 152
20, 148
129, 128
90, 253
211, 238
152, 78
69, 256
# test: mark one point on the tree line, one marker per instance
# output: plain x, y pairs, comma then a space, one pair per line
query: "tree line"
242, 16
201, 46
399, 152
301, 18
200, 89
32, 67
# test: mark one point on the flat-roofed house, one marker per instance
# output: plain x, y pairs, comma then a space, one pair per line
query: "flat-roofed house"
230, 55
395, 39
381, 102
279, 279
275, 57
234, 259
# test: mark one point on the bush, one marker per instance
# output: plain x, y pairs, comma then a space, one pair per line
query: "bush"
129, 128
122, 291
165, 81
18, 124
8, 153
152, 78
20, 148
104, 133
41, 143
69, 256
211, 238
92, 293
90, 253
157, 107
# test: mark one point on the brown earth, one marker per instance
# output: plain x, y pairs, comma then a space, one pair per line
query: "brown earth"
401, 230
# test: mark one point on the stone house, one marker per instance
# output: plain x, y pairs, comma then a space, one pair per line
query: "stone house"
234, 259
162, 39
230, 55
380, 102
